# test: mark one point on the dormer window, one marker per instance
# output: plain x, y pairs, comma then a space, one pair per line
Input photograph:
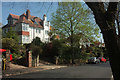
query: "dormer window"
14, 20
10, 21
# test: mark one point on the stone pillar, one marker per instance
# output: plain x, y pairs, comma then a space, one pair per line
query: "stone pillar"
57, 58
7, 63
38, 60
29, 58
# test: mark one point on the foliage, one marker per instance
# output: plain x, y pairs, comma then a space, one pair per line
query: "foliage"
37, 41
14, 56
36, 46
52, 49
36, 50
72, 17
0, 38
105, 18
65, 56
11, 34
71, 21
9, 43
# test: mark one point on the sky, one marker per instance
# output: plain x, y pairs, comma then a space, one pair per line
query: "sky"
37, 9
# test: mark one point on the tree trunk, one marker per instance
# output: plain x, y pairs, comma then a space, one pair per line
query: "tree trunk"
117, 20
113, 52
106, 22
71, 41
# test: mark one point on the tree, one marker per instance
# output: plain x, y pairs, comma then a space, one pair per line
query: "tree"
11, 34
37, 41
105, 18
36, 47
72, 18
10, 41
0, 38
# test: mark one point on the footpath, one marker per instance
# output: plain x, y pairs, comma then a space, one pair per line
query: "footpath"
17, 69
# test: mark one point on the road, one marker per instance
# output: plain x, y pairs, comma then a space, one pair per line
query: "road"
84, 71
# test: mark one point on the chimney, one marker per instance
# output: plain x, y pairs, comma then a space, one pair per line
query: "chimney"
28, 14
44, 18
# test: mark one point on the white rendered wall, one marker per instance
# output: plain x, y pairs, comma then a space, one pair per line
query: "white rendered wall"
33, 34
46, 28
25, 38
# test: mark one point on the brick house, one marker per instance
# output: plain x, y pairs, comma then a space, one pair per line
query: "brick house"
28, 27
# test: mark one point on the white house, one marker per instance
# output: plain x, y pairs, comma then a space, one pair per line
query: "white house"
28, 27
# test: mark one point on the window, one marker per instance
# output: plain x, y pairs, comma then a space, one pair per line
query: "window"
25, 27
46, 31
14, 20
39, 30
25, 38
5, 30
10, 21
36, 30
46, 39
46, 24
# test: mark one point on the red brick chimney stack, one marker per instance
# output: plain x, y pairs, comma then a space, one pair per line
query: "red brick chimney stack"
28, 14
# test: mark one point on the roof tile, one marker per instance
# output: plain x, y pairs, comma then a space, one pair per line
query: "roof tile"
22, 19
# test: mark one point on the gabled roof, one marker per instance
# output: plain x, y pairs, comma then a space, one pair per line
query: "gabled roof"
32, 21
14, 16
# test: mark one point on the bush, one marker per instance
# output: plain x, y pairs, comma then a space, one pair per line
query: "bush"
36, 50
15, 48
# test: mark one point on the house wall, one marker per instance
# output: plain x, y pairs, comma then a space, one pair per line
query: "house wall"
46, 31
34, 32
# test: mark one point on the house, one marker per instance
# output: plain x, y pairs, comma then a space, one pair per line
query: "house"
28, 27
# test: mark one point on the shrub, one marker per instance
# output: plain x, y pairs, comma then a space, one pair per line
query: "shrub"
36, 50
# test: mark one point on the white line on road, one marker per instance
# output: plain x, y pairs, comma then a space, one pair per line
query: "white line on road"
112, 78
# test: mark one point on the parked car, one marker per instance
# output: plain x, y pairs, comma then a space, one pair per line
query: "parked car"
102, 59
93, 60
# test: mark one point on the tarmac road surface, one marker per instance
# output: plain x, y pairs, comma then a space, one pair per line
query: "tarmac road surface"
101, 70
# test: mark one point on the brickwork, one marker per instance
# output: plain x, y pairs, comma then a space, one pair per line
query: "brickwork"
29, 58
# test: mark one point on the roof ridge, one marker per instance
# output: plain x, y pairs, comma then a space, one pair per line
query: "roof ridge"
13, 14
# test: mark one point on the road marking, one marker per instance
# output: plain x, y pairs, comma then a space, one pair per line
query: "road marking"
112, 78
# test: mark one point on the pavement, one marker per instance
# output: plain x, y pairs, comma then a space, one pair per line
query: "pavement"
18, 70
